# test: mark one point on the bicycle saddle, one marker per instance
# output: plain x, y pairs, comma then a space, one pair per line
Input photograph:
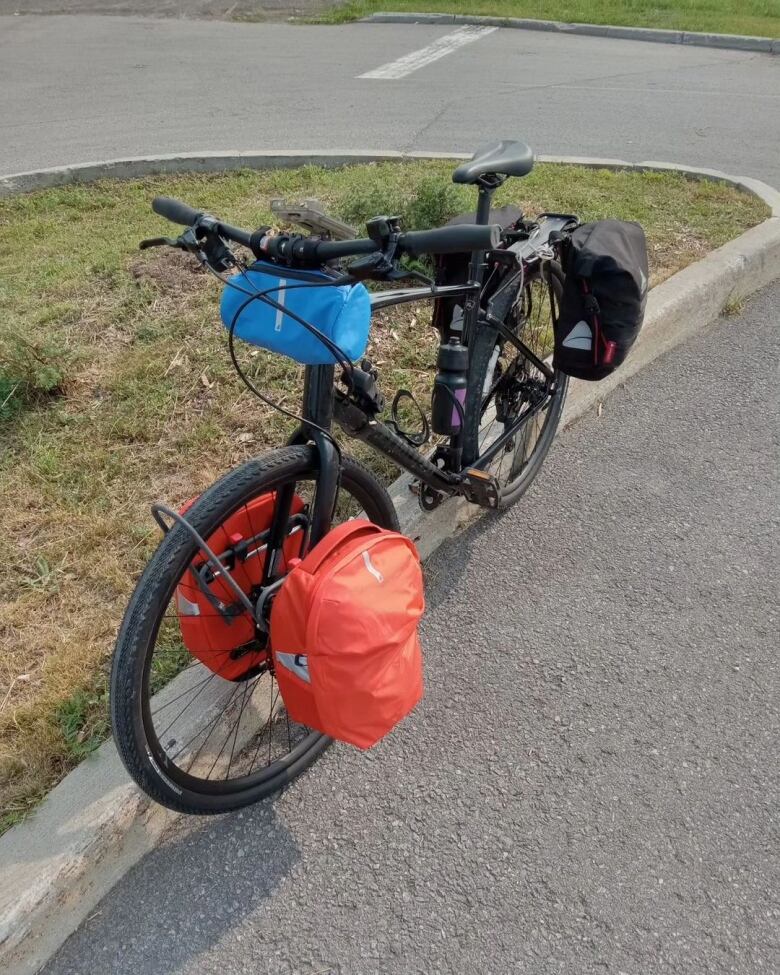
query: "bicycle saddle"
504, 158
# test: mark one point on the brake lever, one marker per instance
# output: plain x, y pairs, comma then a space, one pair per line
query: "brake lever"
375, 266
187, 241
159, 242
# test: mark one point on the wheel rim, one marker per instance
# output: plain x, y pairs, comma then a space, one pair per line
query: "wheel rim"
514, 386
216, 736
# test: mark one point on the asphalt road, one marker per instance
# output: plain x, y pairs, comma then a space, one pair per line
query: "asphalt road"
201, 9
591, 783
77, 89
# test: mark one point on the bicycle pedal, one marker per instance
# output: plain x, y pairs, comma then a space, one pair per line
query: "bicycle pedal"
481, 488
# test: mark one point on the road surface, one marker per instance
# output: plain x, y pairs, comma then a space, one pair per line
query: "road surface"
77, 89
591, 782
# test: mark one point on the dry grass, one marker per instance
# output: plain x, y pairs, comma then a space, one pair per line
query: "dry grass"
116, 390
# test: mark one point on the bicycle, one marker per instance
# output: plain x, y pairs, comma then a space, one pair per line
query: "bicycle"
207, 743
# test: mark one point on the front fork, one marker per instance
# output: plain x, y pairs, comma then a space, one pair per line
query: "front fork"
317, 416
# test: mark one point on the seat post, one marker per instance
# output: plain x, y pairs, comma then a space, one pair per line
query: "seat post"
483, 203
477, 265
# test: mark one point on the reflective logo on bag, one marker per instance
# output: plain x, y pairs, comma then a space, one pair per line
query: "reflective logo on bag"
372, 568
184, 606
279, 299
579, 337
297, 663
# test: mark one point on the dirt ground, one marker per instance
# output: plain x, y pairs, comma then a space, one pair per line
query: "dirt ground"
203, 9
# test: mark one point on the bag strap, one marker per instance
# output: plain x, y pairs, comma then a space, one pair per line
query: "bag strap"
592, 308
334, 538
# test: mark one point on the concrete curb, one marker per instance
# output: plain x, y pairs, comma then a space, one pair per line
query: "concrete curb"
94, 826
733, 42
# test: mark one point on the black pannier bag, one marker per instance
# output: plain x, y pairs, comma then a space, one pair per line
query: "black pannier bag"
604, 296
454, 268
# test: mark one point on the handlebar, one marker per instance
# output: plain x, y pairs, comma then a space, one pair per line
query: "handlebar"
452, 240
302, 251
178, 212
308, 251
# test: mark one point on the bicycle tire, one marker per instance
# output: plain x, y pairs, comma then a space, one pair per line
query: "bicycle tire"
130, 691
482, 349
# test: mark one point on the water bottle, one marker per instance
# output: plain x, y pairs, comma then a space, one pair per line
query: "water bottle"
449, 386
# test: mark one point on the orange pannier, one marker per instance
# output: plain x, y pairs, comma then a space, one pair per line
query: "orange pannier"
215, 627
344, 634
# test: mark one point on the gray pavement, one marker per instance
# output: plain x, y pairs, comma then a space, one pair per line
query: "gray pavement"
77, 89
199, 9
591, 783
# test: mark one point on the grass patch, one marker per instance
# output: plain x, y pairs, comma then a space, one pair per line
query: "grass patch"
83, 722
760, 18
118, 392
733, 307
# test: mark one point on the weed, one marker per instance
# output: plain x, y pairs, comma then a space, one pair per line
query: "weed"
83, 721
733, 307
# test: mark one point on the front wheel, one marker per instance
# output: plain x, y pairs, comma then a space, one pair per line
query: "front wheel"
195, 707
504, 385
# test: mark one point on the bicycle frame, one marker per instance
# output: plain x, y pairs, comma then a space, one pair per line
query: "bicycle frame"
322, 403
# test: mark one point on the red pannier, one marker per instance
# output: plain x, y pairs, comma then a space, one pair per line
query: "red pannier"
215, 628
344, 634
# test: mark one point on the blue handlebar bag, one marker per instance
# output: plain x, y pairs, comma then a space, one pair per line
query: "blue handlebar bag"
341, 312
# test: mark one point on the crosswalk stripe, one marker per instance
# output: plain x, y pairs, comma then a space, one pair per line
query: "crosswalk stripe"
427, 55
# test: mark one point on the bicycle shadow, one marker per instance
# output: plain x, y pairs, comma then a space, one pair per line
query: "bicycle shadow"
444, 569
216, 872
199, 887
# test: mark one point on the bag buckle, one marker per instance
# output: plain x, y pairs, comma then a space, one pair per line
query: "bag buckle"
590, 303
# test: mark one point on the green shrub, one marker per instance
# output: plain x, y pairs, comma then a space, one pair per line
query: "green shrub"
371, 201
436, 202
29, 374
433, 203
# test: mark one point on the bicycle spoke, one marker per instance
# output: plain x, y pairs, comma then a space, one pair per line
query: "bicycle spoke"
192, 701
270, 722
189, 690
227, 739
235, 736
261, 735
216, 673
212, 725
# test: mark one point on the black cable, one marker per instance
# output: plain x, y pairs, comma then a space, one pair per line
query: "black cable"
263, 296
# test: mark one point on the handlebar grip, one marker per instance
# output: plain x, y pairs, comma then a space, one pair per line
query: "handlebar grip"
307, 251
175, 211
452, 240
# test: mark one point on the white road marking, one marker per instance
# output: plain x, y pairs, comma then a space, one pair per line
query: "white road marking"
427, 55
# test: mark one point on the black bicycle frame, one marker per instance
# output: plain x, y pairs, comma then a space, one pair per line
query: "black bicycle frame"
321, 405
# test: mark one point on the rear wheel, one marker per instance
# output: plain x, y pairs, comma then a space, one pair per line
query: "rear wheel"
504, 385
209, 737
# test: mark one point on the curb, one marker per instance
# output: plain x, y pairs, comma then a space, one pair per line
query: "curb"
94, 826
733, 42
